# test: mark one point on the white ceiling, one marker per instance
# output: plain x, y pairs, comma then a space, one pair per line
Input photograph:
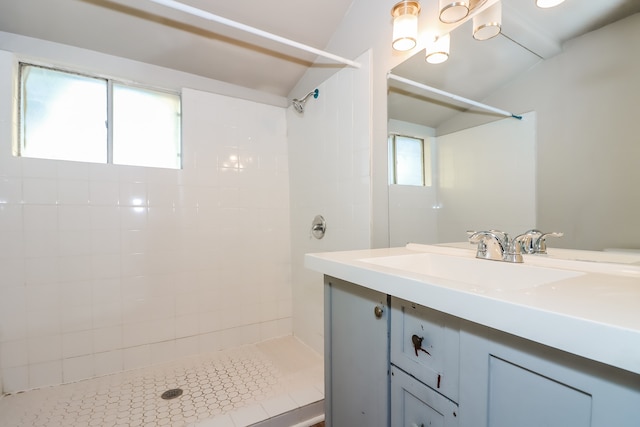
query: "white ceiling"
155, 34
151, 33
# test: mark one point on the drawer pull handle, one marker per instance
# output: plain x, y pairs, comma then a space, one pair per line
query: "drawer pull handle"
417, 344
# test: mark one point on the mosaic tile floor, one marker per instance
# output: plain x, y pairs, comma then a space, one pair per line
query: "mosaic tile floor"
231, 388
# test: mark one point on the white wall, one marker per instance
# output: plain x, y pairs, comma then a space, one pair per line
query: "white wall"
487, 179
330, 175
92, 284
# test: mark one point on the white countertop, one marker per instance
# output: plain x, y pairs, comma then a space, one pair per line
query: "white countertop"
595, 315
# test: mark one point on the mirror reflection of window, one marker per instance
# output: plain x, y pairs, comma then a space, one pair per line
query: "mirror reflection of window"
409, 162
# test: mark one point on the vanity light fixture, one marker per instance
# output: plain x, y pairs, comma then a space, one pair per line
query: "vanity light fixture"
453, 11
474, 4
544, 4
405, 25
486, 24
438, 49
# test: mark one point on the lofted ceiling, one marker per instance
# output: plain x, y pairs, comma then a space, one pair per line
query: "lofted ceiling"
159, 35
152, 33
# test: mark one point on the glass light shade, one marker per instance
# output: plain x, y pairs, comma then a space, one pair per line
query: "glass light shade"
548, 3
486, 24
405, 25
453, 11
438, 50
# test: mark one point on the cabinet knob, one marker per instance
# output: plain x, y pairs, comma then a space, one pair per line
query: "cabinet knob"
377, 310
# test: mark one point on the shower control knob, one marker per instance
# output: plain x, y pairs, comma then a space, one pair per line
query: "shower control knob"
377, 311
318, 227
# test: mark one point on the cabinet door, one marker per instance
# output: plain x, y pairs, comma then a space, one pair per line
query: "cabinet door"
426, 343
523, 398
507, 381
356, 355
413, 404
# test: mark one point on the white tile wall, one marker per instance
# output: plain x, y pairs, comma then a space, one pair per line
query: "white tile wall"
109, 267
329, 157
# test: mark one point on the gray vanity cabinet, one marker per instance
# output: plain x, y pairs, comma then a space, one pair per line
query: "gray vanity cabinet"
507, 381
389, 362
356, 356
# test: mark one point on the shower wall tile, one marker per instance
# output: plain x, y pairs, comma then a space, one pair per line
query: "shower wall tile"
13, 353
104, 193
39, 191
45, 374
109, 267
106, 339
15, 378
75, 192
38, 168
77, 368
136, 357
45, 349
329, 174
11, 190
77, 344
108, 362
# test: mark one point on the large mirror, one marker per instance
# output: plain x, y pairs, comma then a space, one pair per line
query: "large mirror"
572, 164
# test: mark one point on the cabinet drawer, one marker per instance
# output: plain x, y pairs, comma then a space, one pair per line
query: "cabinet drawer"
426, 344
415, 405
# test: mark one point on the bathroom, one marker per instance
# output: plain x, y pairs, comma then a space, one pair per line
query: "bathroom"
169, 299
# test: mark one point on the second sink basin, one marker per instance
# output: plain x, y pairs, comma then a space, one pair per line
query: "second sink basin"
490, 275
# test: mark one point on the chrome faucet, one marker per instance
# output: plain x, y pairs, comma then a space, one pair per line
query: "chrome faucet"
535, 241
496, 245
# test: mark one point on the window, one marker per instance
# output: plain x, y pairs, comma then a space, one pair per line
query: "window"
63, 115
407, 161
146, 127
68, 116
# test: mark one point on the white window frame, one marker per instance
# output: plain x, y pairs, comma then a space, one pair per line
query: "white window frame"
19, 143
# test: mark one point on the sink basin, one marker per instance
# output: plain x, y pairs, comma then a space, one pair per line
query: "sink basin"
489, 275
617, 262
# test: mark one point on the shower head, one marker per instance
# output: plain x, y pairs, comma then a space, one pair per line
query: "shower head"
298, 104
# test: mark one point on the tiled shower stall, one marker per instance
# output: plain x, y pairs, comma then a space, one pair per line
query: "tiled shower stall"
109, 268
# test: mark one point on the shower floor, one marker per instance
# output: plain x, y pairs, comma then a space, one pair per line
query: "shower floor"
253, 384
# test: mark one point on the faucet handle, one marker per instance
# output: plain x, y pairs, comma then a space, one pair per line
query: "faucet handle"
527, 243
533, 232
504, 237
541, 243
490, 245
